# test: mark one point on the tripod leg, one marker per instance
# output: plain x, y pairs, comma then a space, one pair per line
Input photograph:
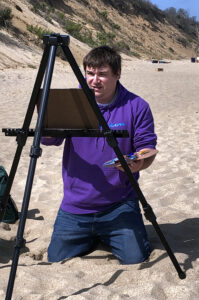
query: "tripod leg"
21, 139
148, 212
34, 154
114, 144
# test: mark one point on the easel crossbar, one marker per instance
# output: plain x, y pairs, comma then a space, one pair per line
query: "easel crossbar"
65, 132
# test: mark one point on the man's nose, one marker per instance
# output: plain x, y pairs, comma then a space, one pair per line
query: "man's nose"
96, 78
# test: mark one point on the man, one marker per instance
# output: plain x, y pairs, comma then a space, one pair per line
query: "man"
100, 203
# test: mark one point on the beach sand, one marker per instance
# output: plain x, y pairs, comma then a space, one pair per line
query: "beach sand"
170, 185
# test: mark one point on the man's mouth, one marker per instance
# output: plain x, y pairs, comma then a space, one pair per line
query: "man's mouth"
96, 88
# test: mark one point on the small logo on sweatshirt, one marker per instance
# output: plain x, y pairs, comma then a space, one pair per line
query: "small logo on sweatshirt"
112, 125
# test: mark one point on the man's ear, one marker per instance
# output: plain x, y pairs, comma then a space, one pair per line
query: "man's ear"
118, 74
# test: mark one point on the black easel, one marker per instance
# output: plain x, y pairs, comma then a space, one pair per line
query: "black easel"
51, 43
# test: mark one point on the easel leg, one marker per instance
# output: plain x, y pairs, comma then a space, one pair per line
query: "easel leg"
34, 154
148, 212
21, 139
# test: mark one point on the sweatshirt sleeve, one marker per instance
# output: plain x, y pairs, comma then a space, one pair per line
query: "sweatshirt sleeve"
53, 141
144, 134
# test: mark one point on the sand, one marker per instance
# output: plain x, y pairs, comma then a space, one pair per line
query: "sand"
170, 185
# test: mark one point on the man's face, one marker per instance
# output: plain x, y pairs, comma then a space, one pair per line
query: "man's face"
103, 82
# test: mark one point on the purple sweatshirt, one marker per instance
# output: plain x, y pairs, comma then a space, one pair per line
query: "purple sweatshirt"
88, 186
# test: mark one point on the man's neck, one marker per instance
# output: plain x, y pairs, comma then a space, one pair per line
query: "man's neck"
111, 101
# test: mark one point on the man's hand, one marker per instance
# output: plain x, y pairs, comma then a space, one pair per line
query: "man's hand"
141, 164
135, 166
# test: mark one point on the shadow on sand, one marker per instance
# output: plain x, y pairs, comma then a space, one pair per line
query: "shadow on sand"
182, 237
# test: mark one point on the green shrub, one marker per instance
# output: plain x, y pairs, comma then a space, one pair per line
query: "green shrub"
5, 16
88, 39
101, 37
35, 8
105, 38
121, 45
136, 54
104, 14
39, 31
61, 16
115, 26
73, 28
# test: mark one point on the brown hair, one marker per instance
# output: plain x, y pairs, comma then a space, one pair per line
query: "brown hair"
101, 56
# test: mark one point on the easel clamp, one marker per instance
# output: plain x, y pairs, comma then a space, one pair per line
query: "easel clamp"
56, 39
35, 151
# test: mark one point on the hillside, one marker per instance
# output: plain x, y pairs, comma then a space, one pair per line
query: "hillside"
138, 31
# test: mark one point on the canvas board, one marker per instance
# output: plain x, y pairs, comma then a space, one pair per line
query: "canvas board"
68, 109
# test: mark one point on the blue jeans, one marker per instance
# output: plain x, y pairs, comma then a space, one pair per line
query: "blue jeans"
121, 228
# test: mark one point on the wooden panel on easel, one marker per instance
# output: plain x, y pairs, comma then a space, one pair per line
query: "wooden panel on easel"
69, 109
